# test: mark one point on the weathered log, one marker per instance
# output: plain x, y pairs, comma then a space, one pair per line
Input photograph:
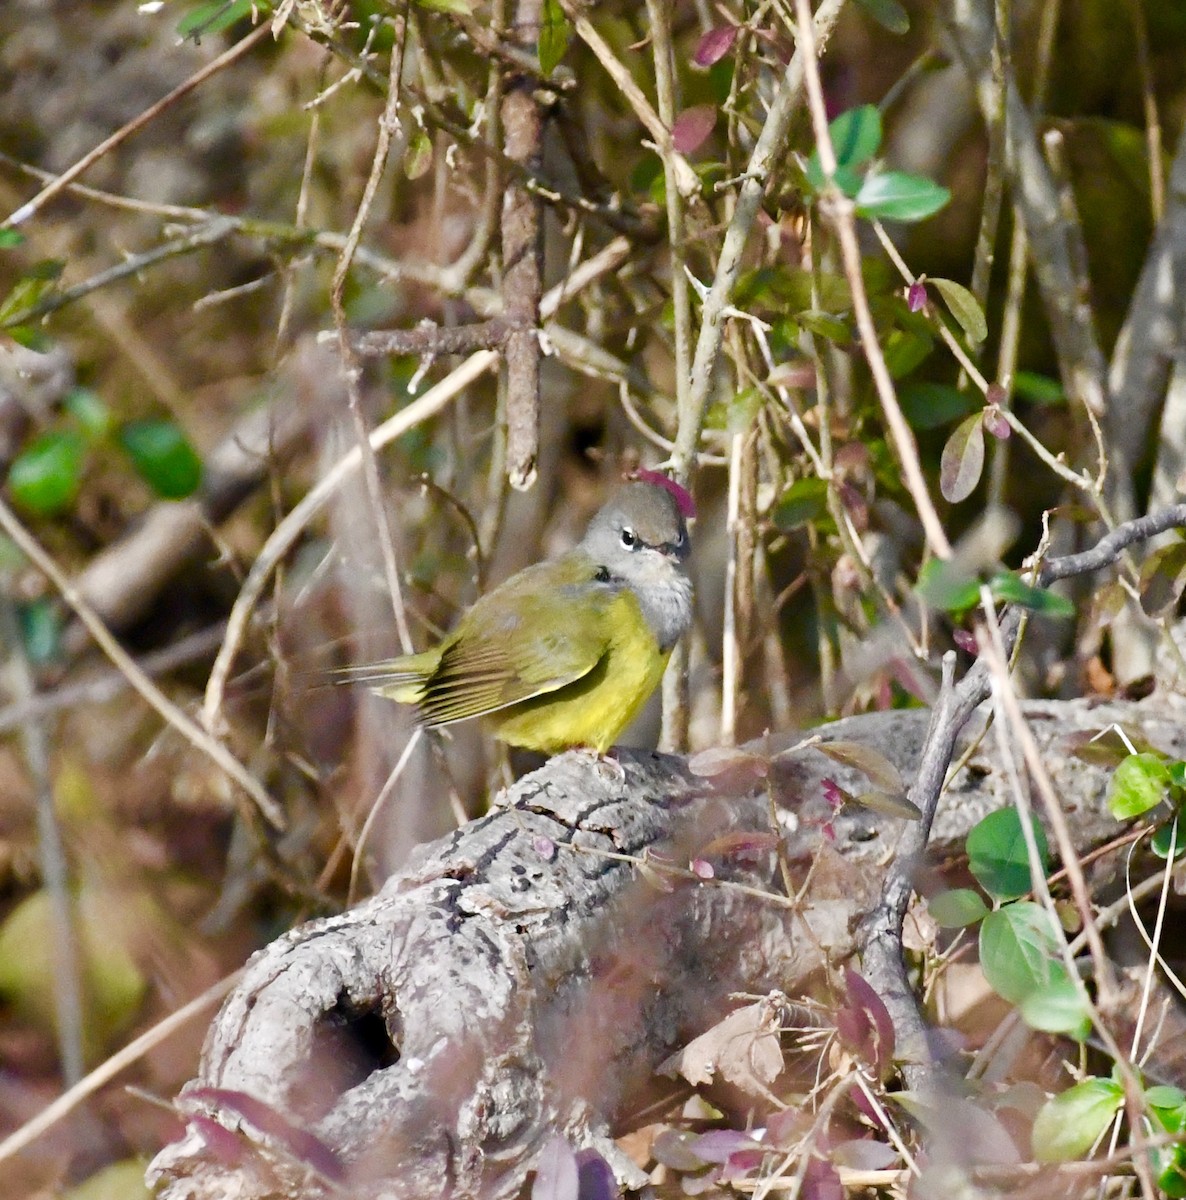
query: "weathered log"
525, 975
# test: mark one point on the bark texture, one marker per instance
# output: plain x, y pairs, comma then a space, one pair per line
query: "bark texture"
522, 978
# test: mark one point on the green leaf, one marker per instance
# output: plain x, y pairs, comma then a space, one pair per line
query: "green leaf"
1163, 578
41, 630
10, 238
30, 338
1068, 1125
964, 308
1012, 589
897, 196
997, 854
90, 413
209, 19
889, 14
554, 35
46, 476
460, 8
930, 405
825, 325
856, 137
28, 291
947, 586
1166, 837
1058, 1007
1140, 783
957, 908
963, 459
1019, 951
418, 155
806, 500
1038, 389
163, 457
1163, 1095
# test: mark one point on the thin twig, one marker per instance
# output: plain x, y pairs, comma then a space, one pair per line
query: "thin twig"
217, 229
68, 1101
285, 535
767, 152
840, 209
150, 114
389, 125
193, 733
66, 961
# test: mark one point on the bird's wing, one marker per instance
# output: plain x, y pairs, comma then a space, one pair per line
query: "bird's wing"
544, 628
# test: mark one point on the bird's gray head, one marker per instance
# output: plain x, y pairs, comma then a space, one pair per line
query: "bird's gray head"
641, 540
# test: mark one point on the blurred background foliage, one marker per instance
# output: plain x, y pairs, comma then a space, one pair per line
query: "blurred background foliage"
143, 331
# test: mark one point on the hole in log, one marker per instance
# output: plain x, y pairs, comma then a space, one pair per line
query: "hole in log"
351, 1043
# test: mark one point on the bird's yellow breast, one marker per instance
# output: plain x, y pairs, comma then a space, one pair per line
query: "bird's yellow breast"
595, 709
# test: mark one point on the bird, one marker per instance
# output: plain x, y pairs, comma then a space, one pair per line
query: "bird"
563, 654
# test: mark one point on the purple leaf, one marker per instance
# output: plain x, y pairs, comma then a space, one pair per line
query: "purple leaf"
225, 1147
864, 1024
996, 424
597, 1180
719, 1145
966, 641
557, 1176
304, 1146
692, 127
963, 459
821, 1181
714, 45
834, 794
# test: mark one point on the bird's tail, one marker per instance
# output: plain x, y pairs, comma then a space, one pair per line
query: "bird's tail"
400, 679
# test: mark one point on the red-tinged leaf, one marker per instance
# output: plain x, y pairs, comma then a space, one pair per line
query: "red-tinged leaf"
720, 1145
714, 45
963, 459
834, 794
225, 1147
916, 296
871, 763
864, 1024
722, 760
557, 1175
996, 423
965, 641
692, 127
821, 1181
741, 844
304, 1146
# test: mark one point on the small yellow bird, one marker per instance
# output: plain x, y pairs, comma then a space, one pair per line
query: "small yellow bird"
564, 653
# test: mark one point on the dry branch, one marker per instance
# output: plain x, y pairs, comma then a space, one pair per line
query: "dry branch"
526, 975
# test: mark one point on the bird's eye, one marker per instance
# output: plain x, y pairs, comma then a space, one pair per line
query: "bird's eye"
628, 538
